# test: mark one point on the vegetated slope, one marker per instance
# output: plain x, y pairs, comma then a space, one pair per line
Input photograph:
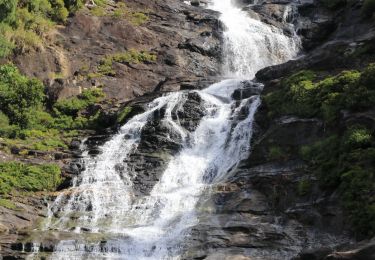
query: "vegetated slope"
67, 67
318, 119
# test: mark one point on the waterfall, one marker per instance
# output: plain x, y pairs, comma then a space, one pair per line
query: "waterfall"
249, 44
102, 217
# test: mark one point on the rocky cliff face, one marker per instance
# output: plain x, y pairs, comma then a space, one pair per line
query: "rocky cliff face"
273, 207
273, 202
186, 43
185, 39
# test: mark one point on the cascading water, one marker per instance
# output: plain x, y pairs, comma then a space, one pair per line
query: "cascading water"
101, 217
249, 44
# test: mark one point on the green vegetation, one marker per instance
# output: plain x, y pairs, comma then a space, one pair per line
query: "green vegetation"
19, 95
22, 177
123, 115
347, 163
276, 153
120, 12
304, 187
23, 23
72, 106
136, 18
349, 90
7, 204
128, 57
27, 124
344, 159
100, 8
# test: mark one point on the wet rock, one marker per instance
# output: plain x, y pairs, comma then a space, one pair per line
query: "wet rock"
62, 156
160, 140
75, 144
97, 140
37, 153
195, 2
247, 90
94, 151
314, 254
364, 250
15, 150
75, 167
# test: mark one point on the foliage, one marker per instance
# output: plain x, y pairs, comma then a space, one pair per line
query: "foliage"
121, 11
73, 5
347, 163
6, 47
72, 106
105, 67
7, 204
24, 22
60, 12
15, 176
138, 18
26, 124
128, 57
350, 90
123, 115
304, 187
19, 95
344, 160
8, 11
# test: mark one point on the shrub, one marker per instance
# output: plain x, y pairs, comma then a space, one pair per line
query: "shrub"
357, 138
59, 13
6, 129
349, 90
73, 5
34, 21
123, 115
347, 163
25, 41
19, 95
72, 106
22, 177
105, 67
8, 11
26, 20
128, 57
368, 77
7, 204
39, 6
136, 18
6, 47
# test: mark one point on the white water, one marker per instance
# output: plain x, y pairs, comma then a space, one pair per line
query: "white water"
101, 205
249, 44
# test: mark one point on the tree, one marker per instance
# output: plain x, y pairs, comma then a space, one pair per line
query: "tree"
19, 95
60, 13
8, 10
73, 5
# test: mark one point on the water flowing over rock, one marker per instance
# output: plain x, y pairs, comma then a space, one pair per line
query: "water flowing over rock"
175, 182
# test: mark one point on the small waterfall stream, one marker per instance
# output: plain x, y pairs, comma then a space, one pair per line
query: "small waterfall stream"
101, 217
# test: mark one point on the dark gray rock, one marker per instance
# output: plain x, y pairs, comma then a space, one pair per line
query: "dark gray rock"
160, 141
